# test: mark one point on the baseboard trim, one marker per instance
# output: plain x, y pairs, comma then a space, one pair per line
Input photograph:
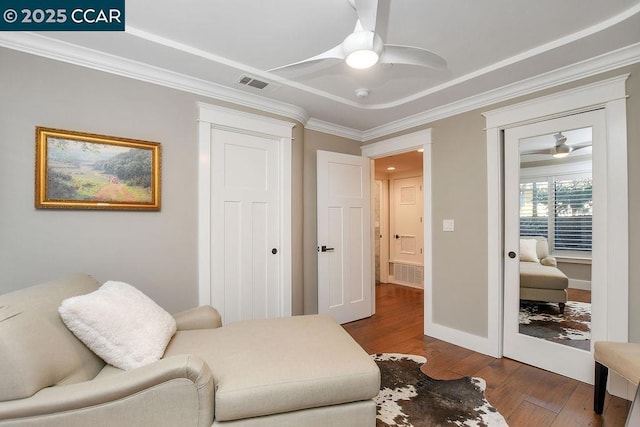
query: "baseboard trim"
463, 339
585, 285
397, 282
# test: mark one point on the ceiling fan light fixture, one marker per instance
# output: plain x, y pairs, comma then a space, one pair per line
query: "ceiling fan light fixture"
362, 59
561, 151
362, 49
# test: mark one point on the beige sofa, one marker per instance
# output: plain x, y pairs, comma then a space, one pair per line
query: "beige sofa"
540, 279
298, 371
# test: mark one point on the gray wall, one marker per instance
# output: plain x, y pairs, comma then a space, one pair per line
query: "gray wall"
158, 251
633, 138
575, 271
459, 193
155, 251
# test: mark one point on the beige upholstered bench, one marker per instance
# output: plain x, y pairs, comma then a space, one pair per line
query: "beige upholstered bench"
540, 278
622, 358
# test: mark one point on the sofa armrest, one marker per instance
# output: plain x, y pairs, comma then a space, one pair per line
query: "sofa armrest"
167, 392
203, 317
549, 261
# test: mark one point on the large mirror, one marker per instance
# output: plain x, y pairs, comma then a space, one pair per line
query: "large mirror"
556, 217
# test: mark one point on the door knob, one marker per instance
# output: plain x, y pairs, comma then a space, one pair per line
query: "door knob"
274, 251
397, 236
512, 254
323, 248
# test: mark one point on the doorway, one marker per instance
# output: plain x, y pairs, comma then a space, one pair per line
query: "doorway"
611, 223
398, 227
402, 144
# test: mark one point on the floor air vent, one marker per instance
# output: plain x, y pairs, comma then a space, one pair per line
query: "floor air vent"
406, 274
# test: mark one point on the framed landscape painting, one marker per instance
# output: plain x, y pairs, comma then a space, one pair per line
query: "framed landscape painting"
76, 170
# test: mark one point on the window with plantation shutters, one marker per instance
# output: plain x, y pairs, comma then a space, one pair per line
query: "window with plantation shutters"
573, 209
534, 208
559, 208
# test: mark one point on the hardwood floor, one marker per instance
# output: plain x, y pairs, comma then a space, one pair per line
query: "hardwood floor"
524, 395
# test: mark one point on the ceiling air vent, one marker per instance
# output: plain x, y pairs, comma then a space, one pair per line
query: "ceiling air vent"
245, 80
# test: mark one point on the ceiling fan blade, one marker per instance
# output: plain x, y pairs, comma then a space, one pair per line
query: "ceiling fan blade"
373, 15
548, 151
581, 145
333, 53
367, 11
585, 149
394, 54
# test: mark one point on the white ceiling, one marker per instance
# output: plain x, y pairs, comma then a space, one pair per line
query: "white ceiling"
211, 43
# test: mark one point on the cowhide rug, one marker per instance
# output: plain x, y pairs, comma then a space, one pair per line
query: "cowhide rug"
543, 320
409, 397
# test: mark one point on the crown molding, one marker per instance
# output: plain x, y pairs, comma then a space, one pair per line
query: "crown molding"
58, 50
587, 68
66, 52
333, 129
584, 97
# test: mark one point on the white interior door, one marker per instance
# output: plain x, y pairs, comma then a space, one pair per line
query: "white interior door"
345, 283
245, 226
406, 221
562, 359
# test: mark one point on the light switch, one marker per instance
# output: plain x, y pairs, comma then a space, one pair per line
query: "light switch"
447, 225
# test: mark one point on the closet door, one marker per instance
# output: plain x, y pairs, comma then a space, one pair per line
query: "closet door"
521, 342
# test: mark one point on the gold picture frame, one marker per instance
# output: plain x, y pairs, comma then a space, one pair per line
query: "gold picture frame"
77, 170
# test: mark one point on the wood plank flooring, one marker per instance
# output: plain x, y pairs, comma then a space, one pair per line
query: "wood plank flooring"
524, 395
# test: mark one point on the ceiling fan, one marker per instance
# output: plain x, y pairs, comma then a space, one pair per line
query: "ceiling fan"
560, 149
365, 46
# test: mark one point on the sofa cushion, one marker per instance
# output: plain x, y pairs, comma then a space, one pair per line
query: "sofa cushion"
543, 247
36, 348
120, 324
273, 366
528, 250
534, 275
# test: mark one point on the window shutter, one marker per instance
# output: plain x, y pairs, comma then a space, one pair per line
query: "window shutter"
573, 214
534, 209
564, 215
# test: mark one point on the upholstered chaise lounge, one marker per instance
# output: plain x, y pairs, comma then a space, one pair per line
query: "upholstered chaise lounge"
540, 279
297, 371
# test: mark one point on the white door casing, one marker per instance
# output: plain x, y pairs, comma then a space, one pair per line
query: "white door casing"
401, 144
609, 94
244, 214
384, 232
345, 271
562, 359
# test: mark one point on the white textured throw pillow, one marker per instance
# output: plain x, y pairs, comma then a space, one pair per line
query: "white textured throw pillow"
120, 324
528, 250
